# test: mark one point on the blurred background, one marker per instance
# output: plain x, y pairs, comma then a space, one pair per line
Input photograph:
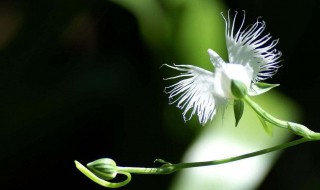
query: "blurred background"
81, 80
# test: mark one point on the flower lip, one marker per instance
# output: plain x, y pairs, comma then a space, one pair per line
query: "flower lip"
229, 72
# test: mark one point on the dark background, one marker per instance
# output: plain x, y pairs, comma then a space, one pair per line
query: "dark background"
78, 82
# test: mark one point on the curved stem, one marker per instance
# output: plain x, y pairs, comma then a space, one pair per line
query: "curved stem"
296, 128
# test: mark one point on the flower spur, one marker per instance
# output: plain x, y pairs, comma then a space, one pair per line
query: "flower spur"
252, 58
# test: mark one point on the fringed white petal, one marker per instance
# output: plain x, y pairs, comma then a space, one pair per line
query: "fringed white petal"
194, 93
249, 46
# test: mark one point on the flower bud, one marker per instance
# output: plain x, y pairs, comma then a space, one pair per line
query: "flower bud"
238, 89
104, 168
300, 130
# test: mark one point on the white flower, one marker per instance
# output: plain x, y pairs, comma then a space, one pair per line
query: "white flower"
252, 58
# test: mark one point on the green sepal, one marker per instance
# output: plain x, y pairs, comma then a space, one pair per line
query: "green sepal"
238, 107
268, 128
260, 87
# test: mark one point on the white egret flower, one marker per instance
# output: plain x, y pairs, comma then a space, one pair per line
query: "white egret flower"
252, 58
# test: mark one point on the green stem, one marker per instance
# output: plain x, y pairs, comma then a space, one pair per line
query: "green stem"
108, 166
315, 136
170, 168
262, 113
296, 128
102, 170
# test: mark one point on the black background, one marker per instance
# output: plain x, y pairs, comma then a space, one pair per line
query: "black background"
97, 92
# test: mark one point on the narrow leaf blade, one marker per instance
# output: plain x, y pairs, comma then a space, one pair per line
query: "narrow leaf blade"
238, 107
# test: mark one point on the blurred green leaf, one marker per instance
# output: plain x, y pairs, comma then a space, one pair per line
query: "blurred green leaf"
182, 27
198, 27
151, 19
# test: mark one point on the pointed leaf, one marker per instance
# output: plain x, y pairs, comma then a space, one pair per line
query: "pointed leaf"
261, 87
238, 107
267, 127
264, 85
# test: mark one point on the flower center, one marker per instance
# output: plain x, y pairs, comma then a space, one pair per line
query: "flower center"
228, 72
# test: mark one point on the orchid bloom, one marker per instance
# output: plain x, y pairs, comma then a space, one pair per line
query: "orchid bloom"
252, 58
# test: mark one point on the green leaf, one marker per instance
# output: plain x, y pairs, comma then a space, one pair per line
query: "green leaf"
264, 85
267, 127
260, 87
238, 107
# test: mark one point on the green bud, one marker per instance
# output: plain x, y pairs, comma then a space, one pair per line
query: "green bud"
104, 168
238, 89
